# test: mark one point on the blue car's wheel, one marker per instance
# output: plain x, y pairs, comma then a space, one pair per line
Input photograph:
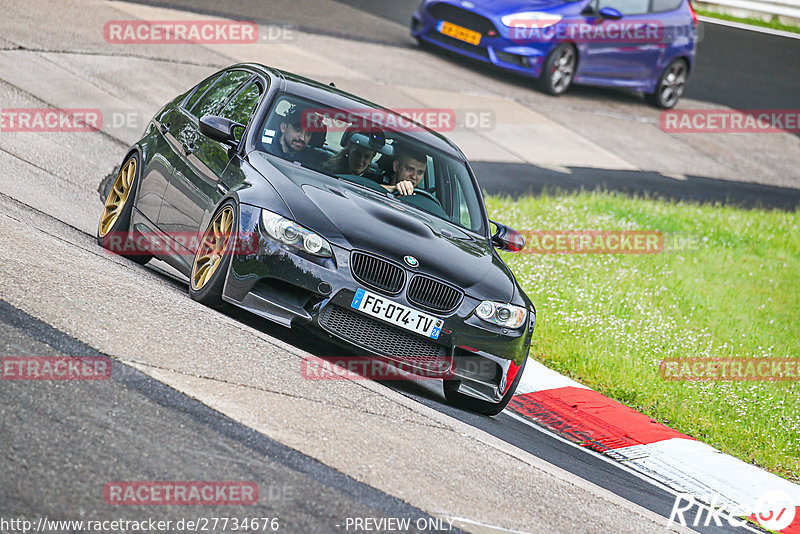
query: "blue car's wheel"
670, 86
558, 69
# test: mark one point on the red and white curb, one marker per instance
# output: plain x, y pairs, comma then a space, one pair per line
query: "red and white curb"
648, 447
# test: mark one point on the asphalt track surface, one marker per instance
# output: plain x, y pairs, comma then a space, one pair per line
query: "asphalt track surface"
133, 404
495, 178
70, 440
734, 68
133, 427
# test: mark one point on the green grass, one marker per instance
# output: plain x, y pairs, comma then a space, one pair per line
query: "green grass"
773, 24
726, 285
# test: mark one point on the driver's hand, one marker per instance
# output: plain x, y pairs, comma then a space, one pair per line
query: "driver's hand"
406, 187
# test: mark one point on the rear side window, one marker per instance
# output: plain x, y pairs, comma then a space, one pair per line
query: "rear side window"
200, 90
626, 7
665, 5
219, 93
242, 106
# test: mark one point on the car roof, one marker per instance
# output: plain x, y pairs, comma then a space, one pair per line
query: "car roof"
314, 90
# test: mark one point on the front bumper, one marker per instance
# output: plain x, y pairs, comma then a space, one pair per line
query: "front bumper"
289, 288
523, 59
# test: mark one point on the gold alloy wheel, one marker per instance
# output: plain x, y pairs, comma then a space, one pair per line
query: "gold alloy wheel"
212, 248
117, 197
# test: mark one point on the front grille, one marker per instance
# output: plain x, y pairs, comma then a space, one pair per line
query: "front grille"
462, 17
377, 273
383, 339
433, 294
461, 45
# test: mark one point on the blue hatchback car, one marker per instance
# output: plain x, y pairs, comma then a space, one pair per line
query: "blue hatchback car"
644, 45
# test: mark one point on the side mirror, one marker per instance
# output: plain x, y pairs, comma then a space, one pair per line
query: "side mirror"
506, 238
220, 129
610, 13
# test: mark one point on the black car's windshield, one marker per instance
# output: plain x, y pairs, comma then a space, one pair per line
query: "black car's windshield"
364, 146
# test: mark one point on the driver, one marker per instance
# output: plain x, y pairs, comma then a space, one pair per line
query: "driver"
409, 167
292, 143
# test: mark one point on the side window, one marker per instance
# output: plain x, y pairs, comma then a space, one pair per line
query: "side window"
201, 89
242, 106
462, 215
626, 7
665, 5
279, 110
219, 92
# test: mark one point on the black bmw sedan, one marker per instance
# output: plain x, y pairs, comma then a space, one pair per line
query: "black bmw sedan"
313, 208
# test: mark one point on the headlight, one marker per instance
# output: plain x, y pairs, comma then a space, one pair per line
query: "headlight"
501, 314
530, 19
292, 234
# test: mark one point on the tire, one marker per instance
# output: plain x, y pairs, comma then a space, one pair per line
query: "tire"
213, 256
113, 229
670, 85
558, 70
465, 402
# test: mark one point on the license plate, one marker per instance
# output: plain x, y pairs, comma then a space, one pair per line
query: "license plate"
458, 32
397, 314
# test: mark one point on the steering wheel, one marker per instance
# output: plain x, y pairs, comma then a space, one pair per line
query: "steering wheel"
420, 192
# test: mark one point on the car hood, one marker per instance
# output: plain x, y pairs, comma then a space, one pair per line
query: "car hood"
507, 7
354, 217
